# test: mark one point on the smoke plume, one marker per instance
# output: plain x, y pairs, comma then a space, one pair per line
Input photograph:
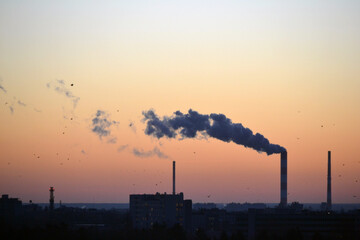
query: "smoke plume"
122, 147
21, 103
112, 140
145, 154
1, 86
101, 125
218, 126
11, 109
60, 87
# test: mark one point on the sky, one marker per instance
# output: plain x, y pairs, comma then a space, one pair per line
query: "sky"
77, 76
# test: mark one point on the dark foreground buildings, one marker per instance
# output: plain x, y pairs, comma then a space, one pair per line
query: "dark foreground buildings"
168, 209
168, 216
9, 207
278, 223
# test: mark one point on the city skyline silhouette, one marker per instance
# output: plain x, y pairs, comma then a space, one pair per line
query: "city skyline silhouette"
78, 82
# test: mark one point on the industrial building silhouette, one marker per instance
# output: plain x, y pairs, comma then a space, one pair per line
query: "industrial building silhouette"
170, 216
169, 209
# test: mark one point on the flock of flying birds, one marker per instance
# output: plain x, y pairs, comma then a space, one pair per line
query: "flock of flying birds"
156, 184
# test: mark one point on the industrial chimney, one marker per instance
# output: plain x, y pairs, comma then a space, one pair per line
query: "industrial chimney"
328, 203
51, 198
174, 178
283, 180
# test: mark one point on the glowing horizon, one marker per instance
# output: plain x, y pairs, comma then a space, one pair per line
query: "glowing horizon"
286, 70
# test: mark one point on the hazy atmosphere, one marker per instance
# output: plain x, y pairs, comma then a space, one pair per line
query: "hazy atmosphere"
98, 98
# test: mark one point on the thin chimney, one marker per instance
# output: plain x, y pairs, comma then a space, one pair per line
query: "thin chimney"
283, 180
52, 197
174, 178
328, 204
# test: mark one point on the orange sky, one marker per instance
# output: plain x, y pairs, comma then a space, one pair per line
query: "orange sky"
286, 70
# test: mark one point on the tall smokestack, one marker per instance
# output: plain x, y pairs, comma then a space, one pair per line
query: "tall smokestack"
283, 180
174, 178
51, 201
328, 204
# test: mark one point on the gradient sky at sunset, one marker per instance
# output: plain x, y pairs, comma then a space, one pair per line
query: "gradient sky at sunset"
289, 70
